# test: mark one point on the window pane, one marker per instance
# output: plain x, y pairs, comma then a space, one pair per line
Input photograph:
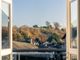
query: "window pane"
5, 25
6, 57
73, 57
74, 24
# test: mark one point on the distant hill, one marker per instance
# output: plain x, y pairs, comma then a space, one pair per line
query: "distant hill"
28, 37
31, 32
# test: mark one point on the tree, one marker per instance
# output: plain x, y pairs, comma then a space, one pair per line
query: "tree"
56, 25
54, 39
35, 26
25, 36
47, 23
49, 26
19, 37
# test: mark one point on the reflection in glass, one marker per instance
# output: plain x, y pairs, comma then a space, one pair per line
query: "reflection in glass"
73, 57
74, 24
6, 57
5, 25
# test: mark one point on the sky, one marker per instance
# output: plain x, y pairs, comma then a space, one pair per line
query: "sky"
31, 12
74, 13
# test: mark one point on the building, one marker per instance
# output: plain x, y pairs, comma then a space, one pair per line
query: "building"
5, 25
73, 30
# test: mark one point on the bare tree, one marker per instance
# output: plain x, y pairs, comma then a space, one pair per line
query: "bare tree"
47, 23
56, 25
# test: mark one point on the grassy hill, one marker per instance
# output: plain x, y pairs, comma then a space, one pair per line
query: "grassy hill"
26, 32
24, 35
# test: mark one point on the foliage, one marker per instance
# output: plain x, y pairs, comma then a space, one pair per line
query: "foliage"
35, 26
19, 37
54, 39
56, 24
43, 33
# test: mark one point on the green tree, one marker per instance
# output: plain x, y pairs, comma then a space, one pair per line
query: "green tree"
19, 37
54, 38
35, 26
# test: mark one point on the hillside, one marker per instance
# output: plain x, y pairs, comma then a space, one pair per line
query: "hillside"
33, 37
23, 45
32, 33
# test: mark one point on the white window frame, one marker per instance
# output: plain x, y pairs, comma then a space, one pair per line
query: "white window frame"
8, 51
69, 50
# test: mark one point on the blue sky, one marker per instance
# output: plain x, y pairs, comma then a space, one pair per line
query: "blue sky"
30, 12
74, 13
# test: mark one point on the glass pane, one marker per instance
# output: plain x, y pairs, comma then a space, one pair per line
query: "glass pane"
6, 57
73, 57
5, 25
74, 24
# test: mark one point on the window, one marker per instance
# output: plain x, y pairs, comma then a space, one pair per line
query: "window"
74, 24
5, 25
73, 57
6, 57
